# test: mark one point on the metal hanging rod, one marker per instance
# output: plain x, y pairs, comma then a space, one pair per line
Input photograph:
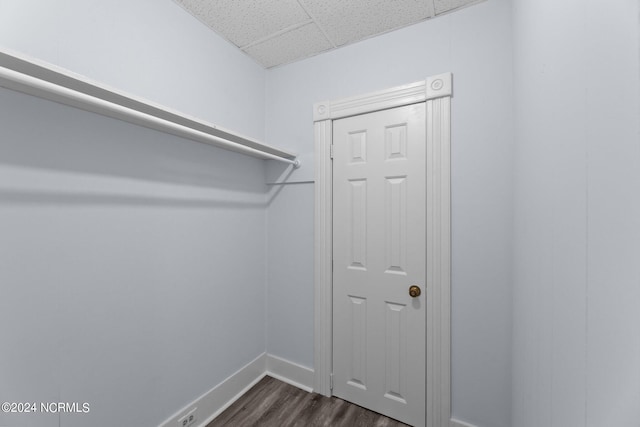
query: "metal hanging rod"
46, 81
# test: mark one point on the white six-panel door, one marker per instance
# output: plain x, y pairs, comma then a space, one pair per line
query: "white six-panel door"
379, 244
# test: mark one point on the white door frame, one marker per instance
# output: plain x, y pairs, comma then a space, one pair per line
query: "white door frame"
436, 91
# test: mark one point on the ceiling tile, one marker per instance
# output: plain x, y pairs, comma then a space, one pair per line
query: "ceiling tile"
349, 21
443, 6
290, 46
244, 22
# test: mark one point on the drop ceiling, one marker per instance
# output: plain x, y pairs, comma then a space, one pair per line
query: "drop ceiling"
275, 32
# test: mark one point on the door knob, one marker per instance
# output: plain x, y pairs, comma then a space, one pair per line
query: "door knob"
414, 291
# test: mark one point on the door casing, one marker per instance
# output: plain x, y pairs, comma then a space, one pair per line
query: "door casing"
436, 92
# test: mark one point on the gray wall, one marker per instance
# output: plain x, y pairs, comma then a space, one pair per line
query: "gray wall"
474, 44
577, 214
132, 263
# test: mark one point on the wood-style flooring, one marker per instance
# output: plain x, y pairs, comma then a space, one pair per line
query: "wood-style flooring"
272, 403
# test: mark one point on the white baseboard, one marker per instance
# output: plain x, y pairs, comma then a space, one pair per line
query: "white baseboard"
219, 398
289, 372
215, 401
458, 423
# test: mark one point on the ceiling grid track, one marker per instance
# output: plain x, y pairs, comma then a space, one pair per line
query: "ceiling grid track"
313, 18
278, 32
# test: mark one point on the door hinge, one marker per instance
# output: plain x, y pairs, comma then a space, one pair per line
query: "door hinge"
331, 151
331, 382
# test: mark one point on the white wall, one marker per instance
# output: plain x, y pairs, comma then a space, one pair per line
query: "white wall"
153, 49
112, 233
577, 214
132, 263
474, 44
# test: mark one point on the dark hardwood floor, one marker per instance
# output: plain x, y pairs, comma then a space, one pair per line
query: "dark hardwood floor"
272, 403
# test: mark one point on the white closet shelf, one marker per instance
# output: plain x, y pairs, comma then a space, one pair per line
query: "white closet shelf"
37, 78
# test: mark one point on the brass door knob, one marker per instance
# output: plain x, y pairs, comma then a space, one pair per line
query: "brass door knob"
414, 291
